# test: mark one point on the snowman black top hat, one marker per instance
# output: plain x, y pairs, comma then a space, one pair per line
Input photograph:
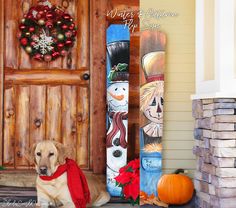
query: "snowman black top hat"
119, 56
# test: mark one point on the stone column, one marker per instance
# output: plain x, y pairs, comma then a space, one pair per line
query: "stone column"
215, 150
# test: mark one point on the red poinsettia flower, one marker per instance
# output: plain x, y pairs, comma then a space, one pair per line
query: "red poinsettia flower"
128, 180
124, 177
123, 169
134, 164
131, 190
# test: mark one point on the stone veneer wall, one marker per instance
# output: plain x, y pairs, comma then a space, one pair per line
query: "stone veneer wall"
215, 149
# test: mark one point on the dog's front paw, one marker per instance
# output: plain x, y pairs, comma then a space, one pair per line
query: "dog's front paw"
44, 205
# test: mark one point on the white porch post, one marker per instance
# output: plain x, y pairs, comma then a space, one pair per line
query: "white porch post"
223, 84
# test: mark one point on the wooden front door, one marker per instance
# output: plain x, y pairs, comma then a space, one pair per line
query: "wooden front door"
43, 100
55, 101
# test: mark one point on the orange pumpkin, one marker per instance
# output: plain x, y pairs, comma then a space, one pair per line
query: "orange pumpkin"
175, 189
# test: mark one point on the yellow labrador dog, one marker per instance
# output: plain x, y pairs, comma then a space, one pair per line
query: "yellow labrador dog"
47, 156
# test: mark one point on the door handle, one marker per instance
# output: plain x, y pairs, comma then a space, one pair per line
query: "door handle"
86, 76
37, 122
18, 154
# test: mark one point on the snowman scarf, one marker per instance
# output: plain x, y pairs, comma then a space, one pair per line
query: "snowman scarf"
118, 126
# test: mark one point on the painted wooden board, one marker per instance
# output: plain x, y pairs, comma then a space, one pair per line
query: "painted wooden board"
118, 56
152, 53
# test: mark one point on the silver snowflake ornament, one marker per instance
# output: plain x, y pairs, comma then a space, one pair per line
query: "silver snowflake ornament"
43, 43
34, 13
46, 3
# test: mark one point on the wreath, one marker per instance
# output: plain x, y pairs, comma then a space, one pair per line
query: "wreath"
47, 32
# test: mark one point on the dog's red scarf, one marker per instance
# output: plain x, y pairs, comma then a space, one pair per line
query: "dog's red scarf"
76, 180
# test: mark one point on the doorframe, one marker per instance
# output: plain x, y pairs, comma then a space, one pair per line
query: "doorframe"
98, 26
1, 75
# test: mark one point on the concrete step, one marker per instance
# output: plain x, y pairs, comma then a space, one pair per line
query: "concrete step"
27, 178
17, 178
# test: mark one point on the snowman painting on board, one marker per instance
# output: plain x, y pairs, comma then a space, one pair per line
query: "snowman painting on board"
117, 99
117, 112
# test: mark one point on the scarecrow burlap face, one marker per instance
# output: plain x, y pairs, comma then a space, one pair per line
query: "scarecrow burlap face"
152, 101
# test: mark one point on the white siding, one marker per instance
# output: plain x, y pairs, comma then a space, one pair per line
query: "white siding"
179, 82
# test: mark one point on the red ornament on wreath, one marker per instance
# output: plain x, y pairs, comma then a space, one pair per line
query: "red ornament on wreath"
48, 31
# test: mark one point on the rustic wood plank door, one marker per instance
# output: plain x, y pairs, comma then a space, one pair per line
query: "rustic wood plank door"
44, 100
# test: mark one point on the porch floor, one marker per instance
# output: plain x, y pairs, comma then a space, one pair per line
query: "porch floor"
191, 204
6, 205
26, 197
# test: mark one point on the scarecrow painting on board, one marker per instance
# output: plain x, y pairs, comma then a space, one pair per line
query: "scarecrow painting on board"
151, 107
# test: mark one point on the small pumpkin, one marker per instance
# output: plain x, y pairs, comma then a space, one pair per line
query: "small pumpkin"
175, 188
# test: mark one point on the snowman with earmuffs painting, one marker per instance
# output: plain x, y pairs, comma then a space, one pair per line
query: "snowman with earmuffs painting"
117, 102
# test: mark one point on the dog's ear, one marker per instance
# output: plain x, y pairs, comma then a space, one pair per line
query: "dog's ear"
61, 152
30, 154
64, 151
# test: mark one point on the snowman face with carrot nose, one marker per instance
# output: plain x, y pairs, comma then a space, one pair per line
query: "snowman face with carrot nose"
117, 97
